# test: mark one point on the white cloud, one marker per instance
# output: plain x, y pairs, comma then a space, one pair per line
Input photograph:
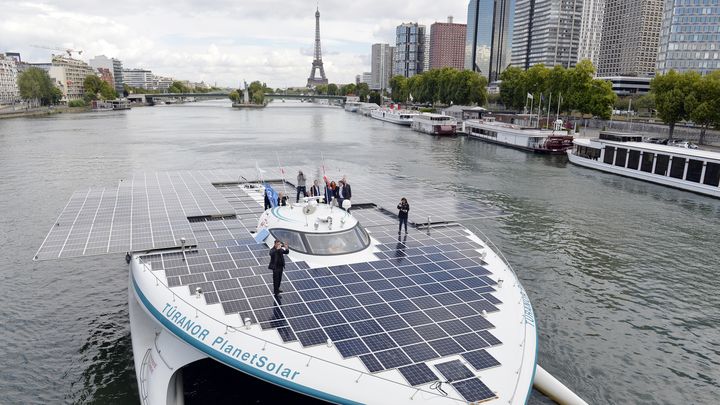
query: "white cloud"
219, 41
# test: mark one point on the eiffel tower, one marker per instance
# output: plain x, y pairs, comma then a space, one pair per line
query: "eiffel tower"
317, 63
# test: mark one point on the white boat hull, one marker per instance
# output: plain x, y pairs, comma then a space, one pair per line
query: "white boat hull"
317, 371
641, 175
379, 115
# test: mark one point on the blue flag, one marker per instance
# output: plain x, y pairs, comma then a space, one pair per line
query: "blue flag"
271, 195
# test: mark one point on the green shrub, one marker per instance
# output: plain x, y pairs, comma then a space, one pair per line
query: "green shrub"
77, 103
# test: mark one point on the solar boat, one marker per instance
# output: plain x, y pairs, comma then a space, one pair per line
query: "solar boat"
434, 315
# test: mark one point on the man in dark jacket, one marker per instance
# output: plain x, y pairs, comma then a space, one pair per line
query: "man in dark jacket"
277, 264
343, 193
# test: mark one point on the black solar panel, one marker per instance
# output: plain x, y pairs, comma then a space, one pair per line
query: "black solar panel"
480, 359
454, 370
473, 390
418, 374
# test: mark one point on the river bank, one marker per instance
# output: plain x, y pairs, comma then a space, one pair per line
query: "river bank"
40, 111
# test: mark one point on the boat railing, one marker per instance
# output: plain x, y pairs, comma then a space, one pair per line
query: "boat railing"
502, 257
143, 376
159, 283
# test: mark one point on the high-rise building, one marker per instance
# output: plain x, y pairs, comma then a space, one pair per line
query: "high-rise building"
689, 37
140, 78
69, 76
426, 57
591, 25
447, 45
115, 68
630, 37
381, 66
366, 77
547, 32
489, 36
409, 49
9, 92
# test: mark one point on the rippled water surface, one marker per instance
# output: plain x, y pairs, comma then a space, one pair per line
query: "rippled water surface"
624, 276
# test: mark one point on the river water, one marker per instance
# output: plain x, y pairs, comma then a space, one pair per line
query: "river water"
624, 276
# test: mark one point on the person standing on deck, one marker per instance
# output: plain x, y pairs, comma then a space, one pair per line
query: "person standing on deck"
300, 186
343, 193
404, 209
277, 264
315, 189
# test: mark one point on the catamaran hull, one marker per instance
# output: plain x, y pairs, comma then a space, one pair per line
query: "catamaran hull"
169, 332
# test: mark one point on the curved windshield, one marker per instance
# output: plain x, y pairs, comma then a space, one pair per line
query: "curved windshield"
343, 242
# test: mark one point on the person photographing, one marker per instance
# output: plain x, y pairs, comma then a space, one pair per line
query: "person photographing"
277, 264
403, 211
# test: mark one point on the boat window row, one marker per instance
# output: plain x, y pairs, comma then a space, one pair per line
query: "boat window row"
677, 167
587, 152
482, 131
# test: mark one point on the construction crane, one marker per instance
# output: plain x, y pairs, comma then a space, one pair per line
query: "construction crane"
66, 50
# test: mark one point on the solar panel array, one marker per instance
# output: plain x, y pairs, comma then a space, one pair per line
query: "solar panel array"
154, 211
146, 212
423, 299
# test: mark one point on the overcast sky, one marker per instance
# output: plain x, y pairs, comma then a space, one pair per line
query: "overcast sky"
223, 41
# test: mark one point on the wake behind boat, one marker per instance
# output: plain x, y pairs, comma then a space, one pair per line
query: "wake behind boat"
366, 315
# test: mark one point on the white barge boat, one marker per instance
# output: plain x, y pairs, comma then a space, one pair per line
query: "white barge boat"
625, 154
434, 124
400, 117
352, 106
365, 316
515, 136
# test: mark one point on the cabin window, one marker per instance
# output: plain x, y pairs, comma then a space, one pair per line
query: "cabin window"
620, 157
292, 238
587, 152
661, 164
647, 162
633, 159
677, 167
712, 174
609, 154
694, 170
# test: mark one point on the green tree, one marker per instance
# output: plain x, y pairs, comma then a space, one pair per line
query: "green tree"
670, 91
600, 99
36, 85
332, 89
234, 96
471, 88
703, 103
362, 90
321, 89
645, 102
97, 89
179, 87
257, 92
375, 97
399, 88
347, 89
513, 90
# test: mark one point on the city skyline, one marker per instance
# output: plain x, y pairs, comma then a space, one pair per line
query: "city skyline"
220, 41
